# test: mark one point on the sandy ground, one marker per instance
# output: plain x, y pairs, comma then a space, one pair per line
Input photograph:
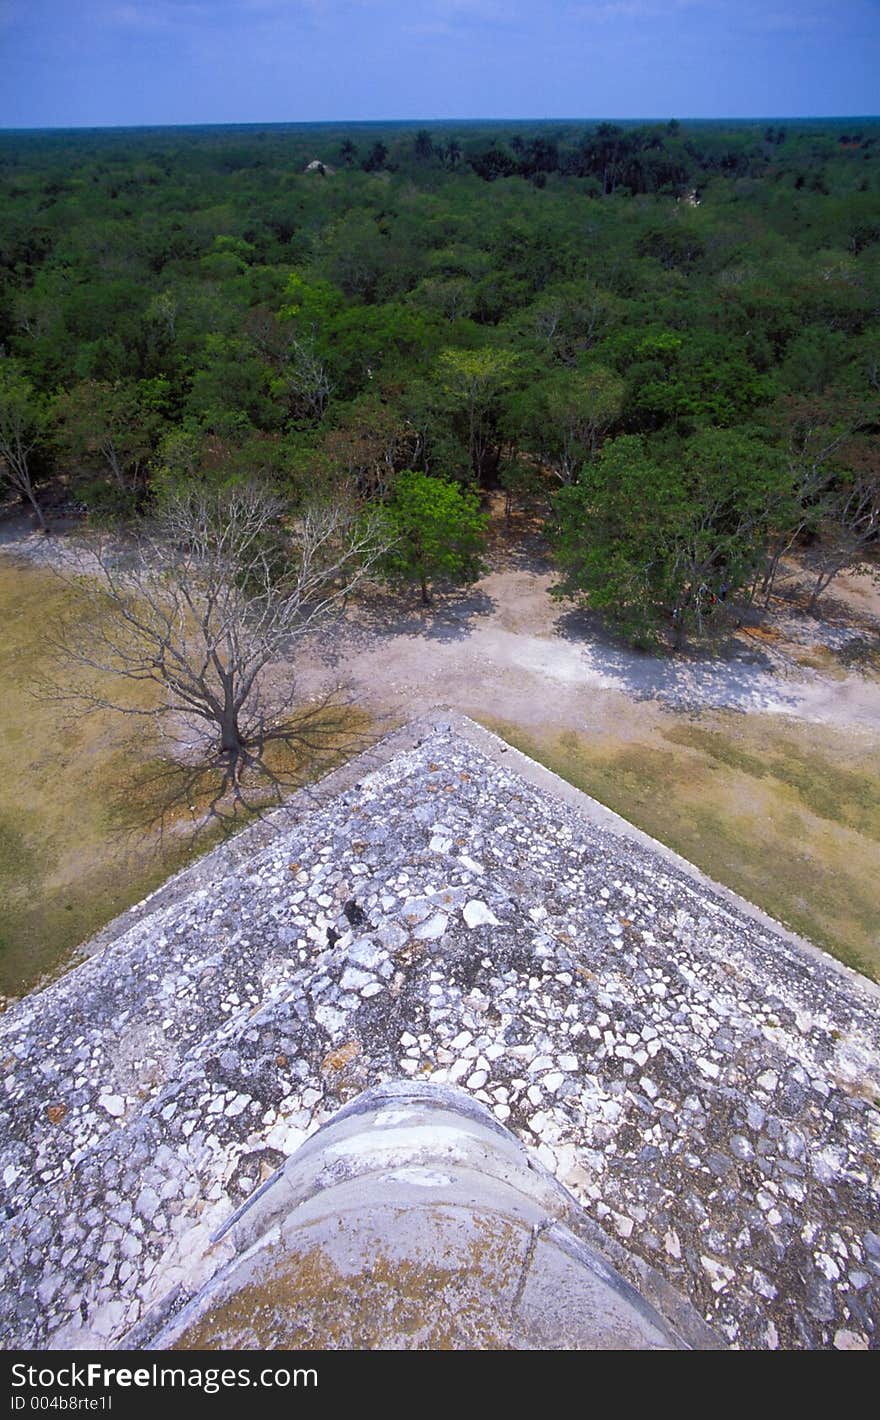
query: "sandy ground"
508, 650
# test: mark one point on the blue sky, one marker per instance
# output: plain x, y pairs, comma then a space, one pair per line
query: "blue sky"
97, 62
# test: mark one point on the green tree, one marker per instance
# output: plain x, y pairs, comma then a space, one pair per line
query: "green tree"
523, 483
705, 379
732, 485
309, 304
814, 431
471, 382
231, 388
453, 296
114, 429
438, 532
849, 524
362, 342
376, 158
568, 319
423, 147
565, 415
646, 539
612, 534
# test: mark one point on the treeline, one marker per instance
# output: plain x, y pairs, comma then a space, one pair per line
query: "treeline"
665, 327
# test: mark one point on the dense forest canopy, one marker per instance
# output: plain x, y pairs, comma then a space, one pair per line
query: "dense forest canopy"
664, 335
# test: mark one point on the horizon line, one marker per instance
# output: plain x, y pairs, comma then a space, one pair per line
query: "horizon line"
373, 122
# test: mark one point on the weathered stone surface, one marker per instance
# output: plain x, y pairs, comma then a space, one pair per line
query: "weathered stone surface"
683, 1067
413, 1219
477, 914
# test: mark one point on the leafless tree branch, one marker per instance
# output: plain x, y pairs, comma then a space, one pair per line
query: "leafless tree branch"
206, 596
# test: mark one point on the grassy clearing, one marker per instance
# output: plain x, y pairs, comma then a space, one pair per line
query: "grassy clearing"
786, 815
92, 815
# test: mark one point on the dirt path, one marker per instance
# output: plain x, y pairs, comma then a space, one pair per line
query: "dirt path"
507, 649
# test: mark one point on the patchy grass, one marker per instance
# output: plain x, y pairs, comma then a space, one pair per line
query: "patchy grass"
823, 783
785, 815
93, 816
861, 654
822, 658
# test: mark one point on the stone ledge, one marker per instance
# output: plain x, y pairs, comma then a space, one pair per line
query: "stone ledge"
425, 1222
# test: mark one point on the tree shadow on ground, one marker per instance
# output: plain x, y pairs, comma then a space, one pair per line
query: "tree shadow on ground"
519, 549
861, 654
838, 612
725, 672
196, 796
381, 615
792, 591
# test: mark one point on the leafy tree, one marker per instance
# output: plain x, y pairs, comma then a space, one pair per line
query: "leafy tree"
814, 360
471, 381
376, 158
613, 532
115, 429
848, 520
437, 532
309, 304
182, 457
813, 432
360, 257
732, 485
675, 247
566, 414
646, 539
363, 342
568, 318
522, 482
423, 146
604, 155
452, 154
703, 380
454, 296
494, 163
230, 388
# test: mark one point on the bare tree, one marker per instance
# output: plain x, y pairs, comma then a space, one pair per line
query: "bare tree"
305, 381
22, 426
814, 433
211, 592
851, 527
